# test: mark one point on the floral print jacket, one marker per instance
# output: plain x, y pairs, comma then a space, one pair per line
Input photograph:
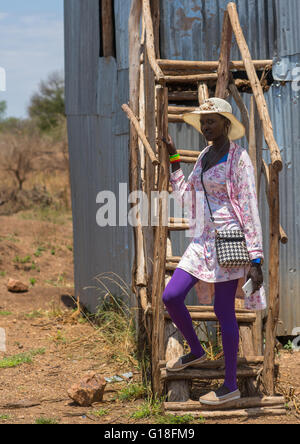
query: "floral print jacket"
241, 187
240, 182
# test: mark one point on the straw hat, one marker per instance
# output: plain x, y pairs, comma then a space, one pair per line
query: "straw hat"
220, 106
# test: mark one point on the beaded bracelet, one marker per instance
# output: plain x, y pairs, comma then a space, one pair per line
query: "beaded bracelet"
174, 158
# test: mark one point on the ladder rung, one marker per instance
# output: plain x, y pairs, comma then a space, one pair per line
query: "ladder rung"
209, 65
172, 262
245, 318
173, 118
242, 403
188, 156
211, 308
177, 220
181, 109
180, 96
189, 153
171, 266
207, 311
178, 227
174, 259
249, 412
177, 224
193, 78
202, 373
188, 159
220, 363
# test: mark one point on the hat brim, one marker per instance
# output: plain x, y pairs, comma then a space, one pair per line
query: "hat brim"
236, 131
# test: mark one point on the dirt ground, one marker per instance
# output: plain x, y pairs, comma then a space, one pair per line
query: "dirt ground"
64, 348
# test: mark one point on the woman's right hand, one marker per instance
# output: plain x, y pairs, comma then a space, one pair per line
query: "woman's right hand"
170, 145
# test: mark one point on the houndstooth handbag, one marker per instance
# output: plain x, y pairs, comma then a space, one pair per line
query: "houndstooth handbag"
231, 245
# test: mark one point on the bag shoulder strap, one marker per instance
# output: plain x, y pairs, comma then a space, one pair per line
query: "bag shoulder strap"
211, 216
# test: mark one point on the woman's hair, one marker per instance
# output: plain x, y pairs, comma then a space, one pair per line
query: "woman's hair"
227, 121
225, 118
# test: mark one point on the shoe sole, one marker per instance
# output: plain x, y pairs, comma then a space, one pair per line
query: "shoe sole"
221, 401
196, 361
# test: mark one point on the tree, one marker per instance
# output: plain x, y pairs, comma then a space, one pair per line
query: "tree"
10, 124
3, 106
48, 104
17, 155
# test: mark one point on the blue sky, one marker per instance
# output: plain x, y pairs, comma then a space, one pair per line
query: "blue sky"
31, 47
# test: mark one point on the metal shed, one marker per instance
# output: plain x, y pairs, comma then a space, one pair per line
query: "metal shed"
97, 86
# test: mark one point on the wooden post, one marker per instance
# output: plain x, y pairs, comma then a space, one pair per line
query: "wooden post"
202, 92
160, 245
142, 116
140, 133
150, 129
265, 170
259, 147
150, 43
134, 67
252, 139
239, 101
256, 87
255, 153
247, 349
107, 28
273, 306
139, 277
155, 14
176, 390
202, 96
224, 61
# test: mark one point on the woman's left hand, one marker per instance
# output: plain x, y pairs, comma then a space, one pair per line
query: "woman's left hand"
256, 275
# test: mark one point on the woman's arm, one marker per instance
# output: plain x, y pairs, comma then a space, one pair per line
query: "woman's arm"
177, 179
179, 185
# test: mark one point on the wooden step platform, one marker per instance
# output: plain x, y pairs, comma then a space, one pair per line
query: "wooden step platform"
247, 367
207, 373
220, 363
241, 408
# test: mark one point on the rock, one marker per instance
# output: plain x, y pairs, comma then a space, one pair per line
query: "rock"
16, 286
88, 391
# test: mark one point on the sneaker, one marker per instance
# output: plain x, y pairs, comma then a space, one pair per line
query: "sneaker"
184, 361
220, 396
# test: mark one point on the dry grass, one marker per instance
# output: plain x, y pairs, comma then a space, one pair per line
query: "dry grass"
113, 322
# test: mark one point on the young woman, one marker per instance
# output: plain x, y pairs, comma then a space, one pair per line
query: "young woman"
228, 177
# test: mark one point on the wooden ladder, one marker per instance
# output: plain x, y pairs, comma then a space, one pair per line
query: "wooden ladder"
160, 91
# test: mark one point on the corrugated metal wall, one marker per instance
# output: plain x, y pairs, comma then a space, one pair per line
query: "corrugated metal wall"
98, 129
193, 28
98, 146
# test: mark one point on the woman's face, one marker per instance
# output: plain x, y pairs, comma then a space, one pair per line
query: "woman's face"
213, 126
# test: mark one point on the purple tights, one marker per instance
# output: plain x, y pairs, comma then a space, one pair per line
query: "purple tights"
224, 306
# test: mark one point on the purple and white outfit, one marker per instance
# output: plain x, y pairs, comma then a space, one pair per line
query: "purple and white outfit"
232, 196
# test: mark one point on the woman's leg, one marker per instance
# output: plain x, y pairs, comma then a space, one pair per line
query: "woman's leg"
173, 297
224, 307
